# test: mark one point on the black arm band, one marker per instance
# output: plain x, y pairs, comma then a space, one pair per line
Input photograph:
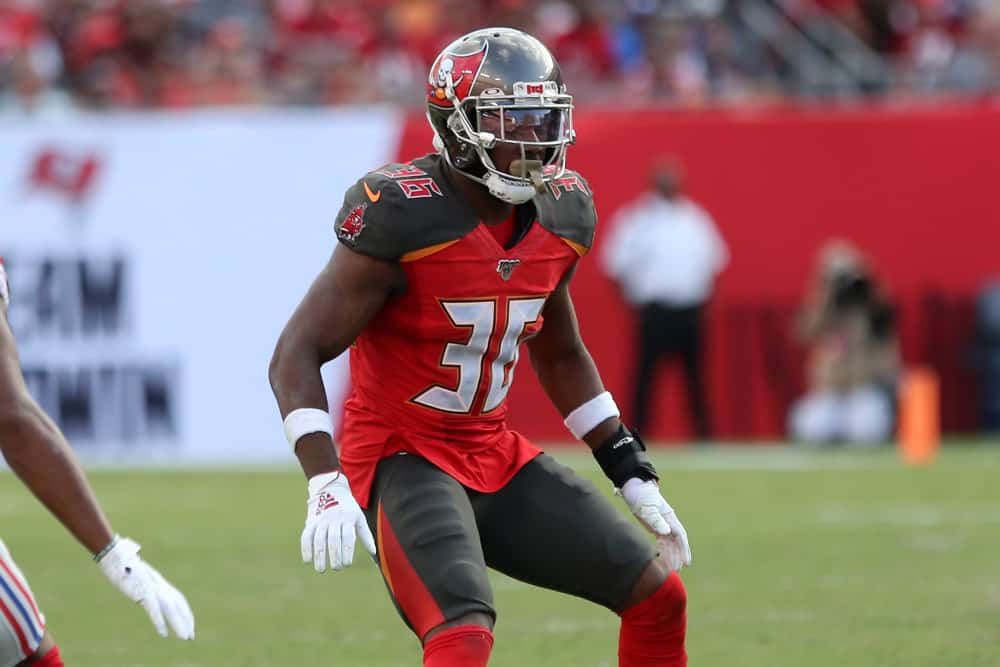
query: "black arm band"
623, 456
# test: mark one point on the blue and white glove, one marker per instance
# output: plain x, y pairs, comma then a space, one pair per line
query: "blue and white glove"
647, 503
334, 521
139, 582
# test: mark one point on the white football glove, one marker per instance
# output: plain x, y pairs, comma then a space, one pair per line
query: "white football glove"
333, 522
141, 583
4, 288
644, 499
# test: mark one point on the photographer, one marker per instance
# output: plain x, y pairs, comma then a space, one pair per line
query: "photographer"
854, 354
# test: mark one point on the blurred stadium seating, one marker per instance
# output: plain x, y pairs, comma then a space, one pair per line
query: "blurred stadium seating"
188, 53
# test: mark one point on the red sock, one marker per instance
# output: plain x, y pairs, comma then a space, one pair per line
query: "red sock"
460, 646
50, 659
652, 632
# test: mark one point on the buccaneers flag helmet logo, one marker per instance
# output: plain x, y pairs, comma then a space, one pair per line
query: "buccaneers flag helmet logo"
454, 74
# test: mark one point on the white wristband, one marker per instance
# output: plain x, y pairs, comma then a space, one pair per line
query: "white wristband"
586, 417
305, 421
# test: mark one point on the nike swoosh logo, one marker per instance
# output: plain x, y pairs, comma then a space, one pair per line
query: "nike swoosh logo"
373, 196
624, 441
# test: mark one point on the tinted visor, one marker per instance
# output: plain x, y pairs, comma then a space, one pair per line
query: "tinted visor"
527, 124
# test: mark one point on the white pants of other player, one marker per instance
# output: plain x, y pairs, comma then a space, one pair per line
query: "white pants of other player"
22, 626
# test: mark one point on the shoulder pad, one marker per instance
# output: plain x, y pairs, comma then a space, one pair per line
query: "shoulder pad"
566, 209
397, 209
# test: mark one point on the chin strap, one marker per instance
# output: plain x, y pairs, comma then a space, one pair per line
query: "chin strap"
514, 190
504, 190
512, 193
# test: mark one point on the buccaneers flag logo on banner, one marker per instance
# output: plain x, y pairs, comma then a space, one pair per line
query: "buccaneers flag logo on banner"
71, 176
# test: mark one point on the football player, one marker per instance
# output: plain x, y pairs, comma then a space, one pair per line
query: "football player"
445, 265
37, 452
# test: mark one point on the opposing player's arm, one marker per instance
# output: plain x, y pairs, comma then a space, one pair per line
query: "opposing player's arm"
564, 366
38, 453
343, 298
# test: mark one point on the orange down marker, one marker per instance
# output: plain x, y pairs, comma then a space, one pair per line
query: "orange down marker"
919, 416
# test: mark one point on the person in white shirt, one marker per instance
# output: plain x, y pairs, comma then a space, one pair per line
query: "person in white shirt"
664, 253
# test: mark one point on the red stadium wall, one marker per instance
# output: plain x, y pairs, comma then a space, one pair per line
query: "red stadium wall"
914, 188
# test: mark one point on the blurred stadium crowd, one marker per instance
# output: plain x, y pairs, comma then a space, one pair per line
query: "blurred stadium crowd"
59, 54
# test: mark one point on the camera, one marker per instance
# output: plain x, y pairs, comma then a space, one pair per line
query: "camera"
851, 289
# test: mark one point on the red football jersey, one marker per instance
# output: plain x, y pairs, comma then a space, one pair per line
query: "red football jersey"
430, 373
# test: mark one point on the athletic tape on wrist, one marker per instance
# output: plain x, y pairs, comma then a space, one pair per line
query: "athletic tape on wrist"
587, 416
304, 421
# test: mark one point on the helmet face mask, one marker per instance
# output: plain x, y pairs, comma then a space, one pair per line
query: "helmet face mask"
514, 107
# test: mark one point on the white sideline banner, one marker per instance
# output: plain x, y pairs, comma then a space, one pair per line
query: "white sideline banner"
154, 259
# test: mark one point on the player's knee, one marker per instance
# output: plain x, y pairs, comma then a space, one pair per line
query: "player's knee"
672, 598
653, 632
463, 596
465, 642
649, 582
51, 659
661, 605
477, 618
46, 655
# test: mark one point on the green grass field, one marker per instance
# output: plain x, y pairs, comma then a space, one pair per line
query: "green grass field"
801, 559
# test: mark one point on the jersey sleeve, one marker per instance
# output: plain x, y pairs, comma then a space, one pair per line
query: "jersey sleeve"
567, 210
400, 209
371, 219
